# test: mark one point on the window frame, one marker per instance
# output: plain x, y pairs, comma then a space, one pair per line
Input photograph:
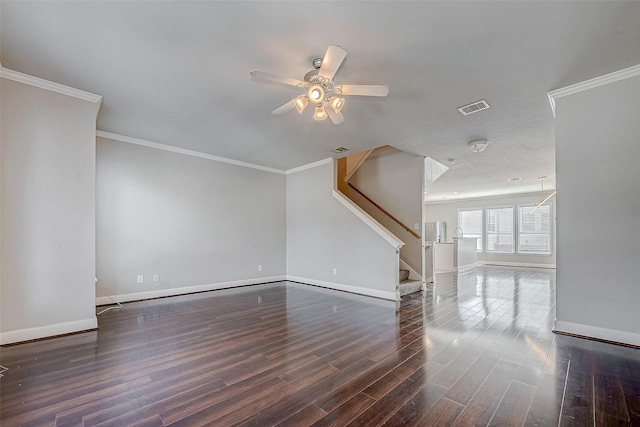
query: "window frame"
481, 248
549, 234
513, 229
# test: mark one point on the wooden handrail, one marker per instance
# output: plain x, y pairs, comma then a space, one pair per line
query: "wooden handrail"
384, 211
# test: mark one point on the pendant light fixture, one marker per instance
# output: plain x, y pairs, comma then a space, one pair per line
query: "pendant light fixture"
543, 200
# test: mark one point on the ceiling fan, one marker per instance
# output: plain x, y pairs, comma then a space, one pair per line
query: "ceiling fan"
320, 89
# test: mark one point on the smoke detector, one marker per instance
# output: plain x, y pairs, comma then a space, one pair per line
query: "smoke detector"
478, 145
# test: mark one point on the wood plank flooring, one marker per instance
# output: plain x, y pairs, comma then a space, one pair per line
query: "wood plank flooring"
476, 350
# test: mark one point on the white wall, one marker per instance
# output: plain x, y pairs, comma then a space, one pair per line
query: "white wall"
393, 179
322, 234
448, 212
197, 223
47, 213
1, 200
598, 173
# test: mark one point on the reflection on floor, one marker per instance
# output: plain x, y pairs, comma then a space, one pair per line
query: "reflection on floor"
477, 349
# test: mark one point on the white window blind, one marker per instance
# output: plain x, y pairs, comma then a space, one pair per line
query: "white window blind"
471, 223
534, 230
500, 230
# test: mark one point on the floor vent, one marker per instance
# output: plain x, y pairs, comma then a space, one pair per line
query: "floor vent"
474, 107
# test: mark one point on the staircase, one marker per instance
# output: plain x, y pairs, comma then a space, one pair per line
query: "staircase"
408, 286
372, 171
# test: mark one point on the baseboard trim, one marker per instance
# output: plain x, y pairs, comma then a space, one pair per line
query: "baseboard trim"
30, 334
346, 288
517, 264
597, 333
163, 293
466, 268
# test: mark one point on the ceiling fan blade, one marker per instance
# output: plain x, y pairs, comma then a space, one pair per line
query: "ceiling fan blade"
272, 78
363, 90
332, 61
336, 118
284, 109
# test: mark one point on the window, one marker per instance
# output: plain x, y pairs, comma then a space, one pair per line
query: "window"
500, 230
534, 230
471, 223
509, 230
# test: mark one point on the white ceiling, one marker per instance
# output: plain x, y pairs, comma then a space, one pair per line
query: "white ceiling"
177, 73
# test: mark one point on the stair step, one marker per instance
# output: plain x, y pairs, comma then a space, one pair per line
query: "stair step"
404, 275
409, 287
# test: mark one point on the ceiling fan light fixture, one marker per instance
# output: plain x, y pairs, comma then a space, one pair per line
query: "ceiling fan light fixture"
320, 89
336, 103
320, 113
316, 94
301, 103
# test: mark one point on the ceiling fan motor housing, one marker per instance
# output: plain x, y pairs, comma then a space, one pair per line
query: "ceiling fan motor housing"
317, 63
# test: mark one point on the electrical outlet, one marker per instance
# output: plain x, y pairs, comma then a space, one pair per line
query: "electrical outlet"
335, 271
141, 279
416, 226
259, 267
156, 277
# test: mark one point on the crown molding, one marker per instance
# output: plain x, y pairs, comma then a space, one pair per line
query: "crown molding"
592, 83
193, 153
51, 86
309, 166
171, 148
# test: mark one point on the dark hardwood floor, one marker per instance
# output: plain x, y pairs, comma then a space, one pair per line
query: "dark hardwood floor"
477, 350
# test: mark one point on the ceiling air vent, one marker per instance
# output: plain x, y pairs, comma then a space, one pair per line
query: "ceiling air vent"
340, 150
474, 108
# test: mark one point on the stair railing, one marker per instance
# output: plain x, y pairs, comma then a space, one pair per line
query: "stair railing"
384, 211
